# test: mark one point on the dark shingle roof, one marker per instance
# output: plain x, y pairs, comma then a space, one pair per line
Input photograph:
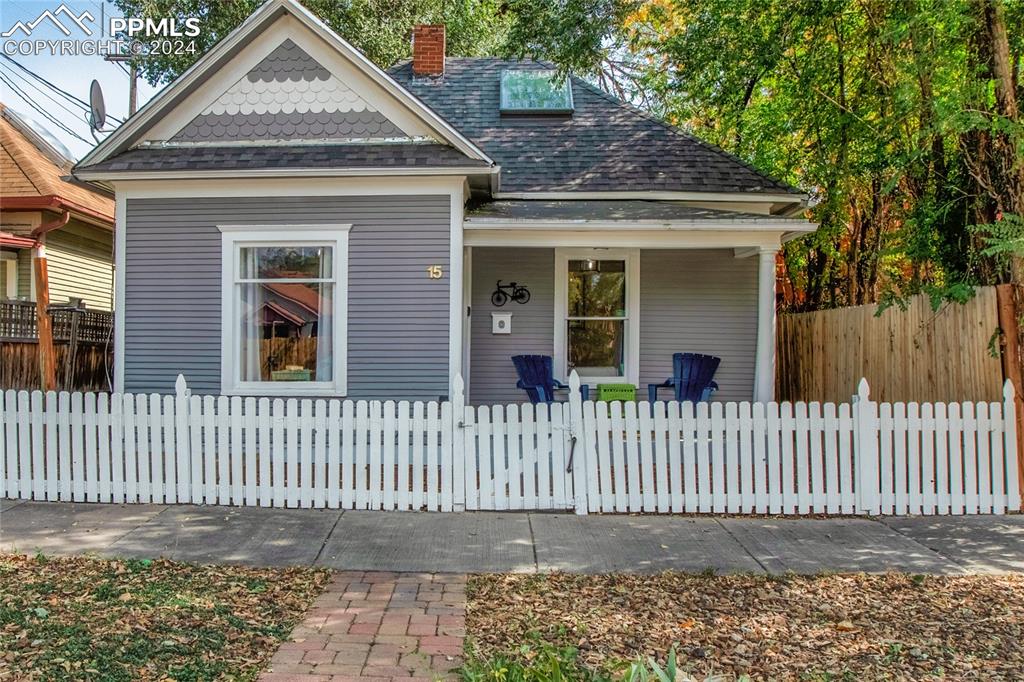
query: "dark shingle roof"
604, 146
247, 157
603, 210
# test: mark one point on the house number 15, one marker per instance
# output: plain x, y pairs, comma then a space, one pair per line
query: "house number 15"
435, 272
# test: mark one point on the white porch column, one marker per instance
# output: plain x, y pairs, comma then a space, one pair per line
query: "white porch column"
456, 287
764, 364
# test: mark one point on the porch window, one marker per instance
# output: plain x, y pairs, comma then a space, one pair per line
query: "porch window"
596, 317
284, 311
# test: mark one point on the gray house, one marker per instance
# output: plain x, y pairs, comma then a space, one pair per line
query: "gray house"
293, 220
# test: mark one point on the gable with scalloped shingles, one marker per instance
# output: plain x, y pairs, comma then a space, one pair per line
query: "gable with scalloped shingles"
288, 96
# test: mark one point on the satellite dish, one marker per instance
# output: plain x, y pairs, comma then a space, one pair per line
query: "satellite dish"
97, 109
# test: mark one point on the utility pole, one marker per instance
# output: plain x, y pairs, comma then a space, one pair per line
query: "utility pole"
133, 76
133, 89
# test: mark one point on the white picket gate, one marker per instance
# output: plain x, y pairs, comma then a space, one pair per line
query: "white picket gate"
777, 458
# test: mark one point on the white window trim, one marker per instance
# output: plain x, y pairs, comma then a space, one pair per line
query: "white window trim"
632, 259
233, 237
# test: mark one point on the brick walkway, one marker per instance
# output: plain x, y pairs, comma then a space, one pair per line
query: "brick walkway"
378, 627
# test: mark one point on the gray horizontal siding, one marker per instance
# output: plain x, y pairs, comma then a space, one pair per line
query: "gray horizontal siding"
492, 376
397, 322
700, 302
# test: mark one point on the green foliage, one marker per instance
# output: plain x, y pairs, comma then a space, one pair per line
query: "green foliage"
381, 29
938, 296
539, 661
1003, 238
536, 661
650, 671
881, 111
577, 35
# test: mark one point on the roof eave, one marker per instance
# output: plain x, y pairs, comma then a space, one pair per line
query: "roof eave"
55, 203
696, 224
658, 195
209, 174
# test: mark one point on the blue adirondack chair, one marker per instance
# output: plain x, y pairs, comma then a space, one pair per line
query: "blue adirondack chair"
692, 375
537, 378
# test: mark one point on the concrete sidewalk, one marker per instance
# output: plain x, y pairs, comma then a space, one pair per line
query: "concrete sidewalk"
520, 542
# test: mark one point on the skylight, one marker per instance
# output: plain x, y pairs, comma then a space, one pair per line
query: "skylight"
534, 92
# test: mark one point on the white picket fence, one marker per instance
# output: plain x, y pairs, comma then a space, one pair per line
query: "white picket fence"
779, 458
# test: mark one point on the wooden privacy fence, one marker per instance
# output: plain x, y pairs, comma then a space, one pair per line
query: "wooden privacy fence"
859, 457
82, 345
912, 354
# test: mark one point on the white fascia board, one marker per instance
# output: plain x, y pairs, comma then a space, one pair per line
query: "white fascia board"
155, 106
288, 187
655, 196
101, 175
651, 239
750, 224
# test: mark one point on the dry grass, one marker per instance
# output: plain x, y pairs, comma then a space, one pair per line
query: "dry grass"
90, 619
846, 627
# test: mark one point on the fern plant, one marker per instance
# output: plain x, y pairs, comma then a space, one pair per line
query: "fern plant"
1003, 238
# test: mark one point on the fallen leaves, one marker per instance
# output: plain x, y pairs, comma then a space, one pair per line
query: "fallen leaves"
818, 627
90, 619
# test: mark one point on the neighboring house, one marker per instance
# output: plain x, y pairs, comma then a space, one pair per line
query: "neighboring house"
286, 183
41, 204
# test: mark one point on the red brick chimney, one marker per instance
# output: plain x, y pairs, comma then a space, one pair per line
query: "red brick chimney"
428, 50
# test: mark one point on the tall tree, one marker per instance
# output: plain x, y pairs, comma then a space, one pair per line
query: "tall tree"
882, 110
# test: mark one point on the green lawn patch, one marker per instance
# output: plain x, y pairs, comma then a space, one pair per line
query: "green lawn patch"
547, 628
90, 619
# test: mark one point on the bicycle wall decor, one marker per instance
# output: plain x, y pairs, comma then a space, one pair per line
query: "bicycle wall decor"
513, 290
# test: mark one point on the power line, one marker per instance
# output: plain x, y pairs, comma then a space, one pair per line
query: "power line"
43, 80
76, 113
42, 112
56, 88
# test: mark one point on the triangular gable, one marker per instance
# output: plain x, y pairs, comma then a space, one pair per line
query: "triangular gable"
176, 115
289, 96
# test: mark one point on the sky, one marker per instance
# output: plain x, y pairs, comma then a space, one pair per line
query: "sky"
70, 73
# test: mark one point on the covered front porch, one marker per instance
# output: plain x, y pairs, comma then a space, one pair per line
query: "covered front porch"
615, 291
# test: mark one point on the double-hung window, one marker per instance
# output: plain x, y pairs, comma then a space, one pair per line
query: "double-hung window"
284, 309
596, 314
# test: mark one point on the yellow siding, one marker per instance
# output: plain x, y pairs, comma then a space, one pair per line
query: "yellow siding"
25, 275
79, 261
4, 293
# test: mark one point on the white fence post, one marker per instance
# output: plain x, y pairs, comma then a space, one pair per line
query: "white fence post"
1010, 453
182, 442
459, 452
578, 445
865, 415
